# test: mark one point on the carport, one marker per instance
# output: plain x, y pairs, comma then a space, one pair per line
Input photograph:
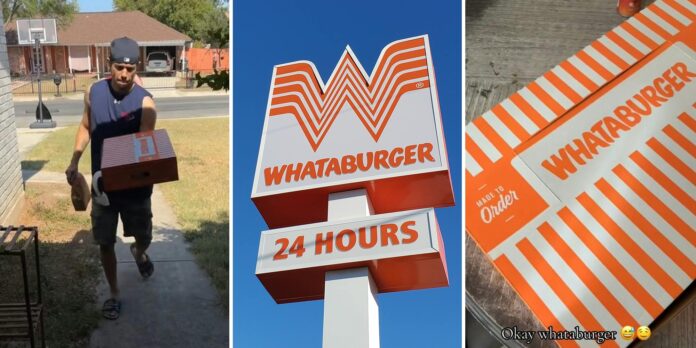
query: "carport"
175, 48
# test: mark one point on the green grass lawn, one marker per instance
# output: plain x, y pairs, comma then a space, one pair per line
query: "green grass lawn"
54, 152
200, 198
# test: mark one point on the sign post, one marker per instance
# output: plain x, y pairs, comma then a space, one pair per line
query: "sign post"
351, 313
57, 80
374, 146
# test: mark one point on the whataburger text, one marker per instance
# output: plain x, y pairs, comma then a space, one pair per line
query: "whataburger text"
603, 133
348, 164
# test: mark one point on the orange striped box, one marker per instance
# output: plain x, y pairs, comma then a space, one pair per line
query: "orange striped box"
137, 160
581, 187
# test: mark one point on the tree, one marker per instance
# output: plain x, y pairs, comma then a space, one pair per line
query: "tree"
191, 17
217, 30
217, 81
205, 21
218, 36
61, 10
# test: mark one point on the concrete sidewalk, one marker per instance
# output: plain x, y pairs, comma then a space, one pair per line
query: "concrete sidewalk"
27, 138
176, 307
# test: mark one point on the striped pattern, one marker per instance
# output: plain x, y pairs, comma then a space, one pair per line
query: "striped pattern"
120, 151
529, 110
620, 252
299, 91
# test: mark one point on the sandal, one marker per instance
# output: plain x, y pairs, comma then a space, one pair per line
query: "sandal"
146, 268
111, 309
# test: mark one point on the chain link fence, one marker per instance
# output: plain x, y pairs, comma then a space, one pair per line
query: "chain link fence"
67, 83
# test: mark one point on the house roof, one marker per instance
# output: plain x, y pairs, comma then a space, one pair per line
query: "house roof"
99, 28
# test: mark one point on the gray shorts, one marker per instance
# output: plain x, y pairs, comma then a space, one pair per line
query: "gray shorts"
136, 217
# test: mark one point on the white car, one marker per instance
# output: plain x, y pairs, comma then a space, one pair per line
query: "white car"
158, 62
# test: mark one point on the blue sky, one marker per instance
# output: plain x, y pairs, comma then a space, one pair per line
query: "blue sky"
267, 33
95, 5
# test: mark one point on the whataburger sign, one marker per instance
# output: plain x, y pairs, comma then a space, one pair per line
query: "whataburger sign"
581, 187
404, 251
381, 133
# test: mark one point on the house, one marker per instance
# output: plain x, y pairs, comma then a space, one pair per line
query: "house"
10, 170
83, 46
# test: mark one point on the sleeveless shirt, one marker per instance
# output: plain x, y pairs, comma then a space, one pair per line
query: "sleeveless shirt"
113, 115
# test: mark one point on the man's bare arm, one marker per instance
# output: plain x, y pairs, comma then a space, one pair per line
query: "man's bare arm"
148, 116
81, 140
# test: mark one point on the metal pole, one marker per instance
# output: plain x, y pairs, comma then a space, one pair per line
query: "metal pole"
38, 281
38, 267
39, 55
351, 313
27, 300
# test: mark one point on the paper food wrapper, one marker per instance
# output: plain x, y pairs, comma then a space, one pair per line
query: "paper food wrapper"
580, 186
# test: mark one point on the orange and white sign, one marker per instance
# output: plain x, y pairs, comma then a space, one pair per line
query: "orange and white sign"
381, 132
403, 251
581, 187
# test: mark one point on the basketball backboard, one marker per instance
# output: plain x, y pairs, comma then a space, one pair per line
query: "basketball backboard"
44, 29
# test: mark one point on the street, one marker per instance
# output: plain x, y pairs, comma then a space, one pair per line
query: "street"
69, 112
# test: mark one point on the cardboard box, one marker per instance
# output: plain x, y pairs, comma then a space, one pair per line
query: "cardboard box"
137, 160
80, 193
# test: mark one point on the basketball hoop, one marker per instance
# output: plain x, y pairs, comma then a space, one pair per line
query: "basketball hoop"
37, 32
44, 29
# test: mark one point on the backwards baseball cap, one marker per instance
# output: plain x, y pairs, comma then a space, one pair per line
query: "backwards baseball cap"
125, 50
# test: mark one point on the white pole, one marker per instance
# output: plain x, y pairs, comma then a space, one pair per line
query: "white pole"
96, 53
351, 313
39, 56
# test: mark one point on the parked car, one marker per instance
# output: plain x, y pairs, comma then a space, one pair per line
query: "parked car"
158, 62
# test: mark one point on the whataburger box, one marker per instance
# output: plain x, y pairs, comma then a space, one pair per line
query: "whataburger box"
381, 132
137, 160
581, 187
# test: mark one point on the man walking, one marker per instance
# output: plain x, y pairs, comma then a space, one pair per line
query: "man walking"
116, 106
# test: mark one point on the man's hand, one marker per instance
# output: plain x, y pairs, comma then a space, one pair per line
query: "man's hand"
81, 140
71, 173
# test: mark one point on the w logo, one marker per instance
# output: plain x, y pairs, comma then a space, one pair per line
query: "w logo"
298, 89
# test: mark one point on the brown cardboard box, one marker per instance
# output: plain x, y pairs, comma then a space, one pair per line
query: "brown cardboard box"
137, 160
79, 193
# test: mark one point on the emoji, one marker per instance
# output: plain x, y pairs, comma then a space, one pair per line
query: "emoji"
643, 333
627, 332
